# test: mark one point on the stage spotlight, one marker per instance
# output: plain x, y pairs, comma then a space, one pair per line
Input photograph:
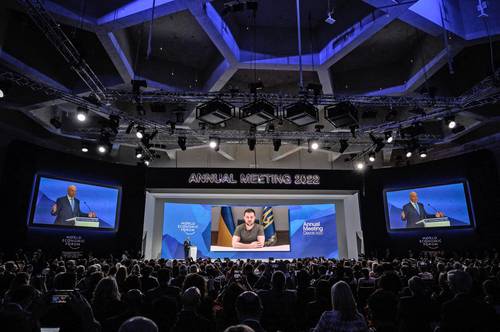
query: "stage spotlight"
342, 115
371, 157
329, 19
312, 145
423, 153
276, 144
301, 113
138, 153
4, 87
181, 140
379, 142
147, 162
344, 144
130, 127
139, 132
101, 148
450, 122
360, 165
214, 143
81, 114
389, 138
85, 148
258, 112
409, 153
2, 93
215, 111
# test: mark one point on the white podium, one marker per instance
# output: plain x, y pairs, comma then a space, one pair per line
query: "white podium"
84, 222
193, 252
435, 222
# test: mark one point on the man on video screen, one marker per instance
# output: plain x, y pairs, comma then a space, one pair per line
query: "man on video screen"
248, 235
67, 207
414, 211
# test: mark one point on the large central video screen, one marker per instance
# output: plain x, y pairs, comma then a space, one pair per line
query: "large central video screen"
250, 231
70, 203
439, 206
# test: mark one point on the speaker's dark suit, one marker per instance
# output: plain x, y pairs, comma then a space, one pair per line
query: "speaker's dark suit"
64, 211
412, 216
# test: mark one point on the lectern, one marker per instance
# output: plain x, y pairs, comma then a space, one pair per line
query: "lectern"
435, 222
193, 252
84, 222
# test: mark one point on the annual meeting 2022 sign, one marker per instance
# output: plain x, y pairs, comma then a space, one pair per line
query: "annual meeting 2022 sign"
254, 178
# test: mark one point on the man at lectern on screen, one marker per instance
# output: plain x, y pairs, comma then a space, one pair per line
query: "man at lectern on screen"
67, 207
414, 211
248, 235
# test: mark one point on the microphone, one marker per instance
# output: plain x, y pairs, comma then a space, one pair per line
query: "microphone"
88, 207
432, 207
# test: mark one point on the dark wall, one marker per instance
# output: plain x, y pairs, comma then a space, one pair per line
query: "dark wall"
25, 160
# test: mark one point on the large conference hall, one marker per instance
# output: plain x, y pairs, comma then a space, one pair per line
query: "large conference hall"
250, 165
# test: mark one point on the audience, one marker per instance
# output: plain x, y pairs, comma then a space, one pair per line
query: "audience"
427, 293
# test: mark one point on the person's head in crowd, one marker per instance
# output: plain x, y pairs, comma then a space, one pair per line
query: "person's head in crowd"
239, 328
191, 299
70, 265
138, 324
10, 267
247, 269
248, 306
20, 279
383, 307
134, 299
195, 280
365, 273
133, 281
416, 286
65, 281
106, 290
343, 301
278, 281
390, 281
491, 290
163, 277
460, 282
303, 279
146, 271
23, 296
323, 291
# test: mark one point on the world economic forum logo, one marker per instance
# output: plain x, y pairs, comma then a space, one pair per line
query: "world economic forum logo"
188, 227
312, 228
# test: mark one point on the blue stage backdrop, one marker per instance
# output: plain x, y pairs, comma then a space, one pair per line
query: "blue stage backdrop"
102, 200
313, 232
451, 199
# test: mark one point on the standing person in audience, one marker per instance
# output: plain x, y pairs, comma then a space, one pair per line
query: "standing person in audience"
187, 247
344, 317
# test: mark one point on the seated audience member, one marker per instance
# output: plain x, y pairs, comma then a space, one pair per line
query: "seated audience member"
279, 305
322, 303
134, 306
344, 316
383, 310
138, 324
417, 311
491, 290
106, 300
163, 288
205, 308
147, 281
249, 310
188, 319
464, 312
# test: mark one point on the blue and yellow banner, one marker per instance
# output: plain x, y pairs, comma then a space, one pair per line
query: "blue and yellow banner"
269, 227
226, 227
